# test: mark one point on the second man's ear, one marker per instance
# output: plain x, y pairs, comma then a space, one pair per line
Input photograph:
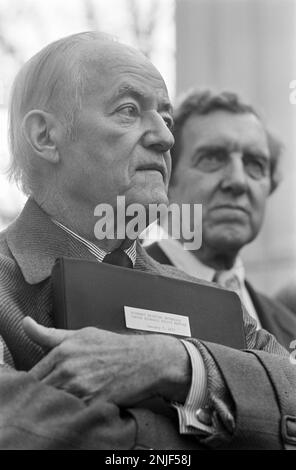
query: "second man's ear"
41, 132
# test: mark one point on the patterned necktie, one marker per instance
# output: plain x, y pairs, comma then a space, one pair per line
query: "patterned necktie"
119, 258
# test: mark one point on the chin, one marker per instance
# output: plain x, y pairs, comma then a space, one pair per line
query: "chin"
146, 197
228, 242
230, 245
141, 211
229, 238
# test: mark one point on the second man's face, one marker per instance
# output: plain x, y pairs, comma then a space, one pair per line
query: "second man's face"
225, 166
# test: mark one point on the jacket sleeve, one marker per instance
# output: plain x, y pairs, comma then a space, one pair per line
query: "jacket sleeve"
255, 388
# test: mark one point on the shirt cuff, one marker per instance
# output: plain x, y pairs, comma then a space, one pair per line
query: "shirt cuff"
197, 397
1, 353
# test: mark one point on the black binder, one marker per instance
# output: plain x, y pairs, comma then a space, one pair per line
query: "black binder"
89, 293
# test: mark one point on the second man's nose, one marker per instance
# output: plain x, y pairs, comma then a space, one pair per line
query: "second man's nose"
235, 177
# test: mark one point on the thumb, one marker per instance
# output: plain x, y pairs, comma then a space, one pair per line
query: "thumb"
46, 337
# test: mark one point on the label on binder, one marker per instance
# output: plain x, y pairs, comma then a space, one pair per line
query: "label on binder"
158, 322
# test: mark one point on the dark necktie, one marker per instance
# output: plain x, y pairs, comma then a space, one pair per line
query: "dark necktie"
119, 258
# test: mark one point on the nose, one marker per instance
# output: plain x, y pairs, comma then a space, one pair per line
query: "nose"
157, 135
235, 178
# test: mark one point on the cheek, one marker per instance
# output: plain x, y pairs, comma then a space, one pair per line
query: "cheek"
201, 191
258, 204
259, 194
105, 140
191, 188
180, 193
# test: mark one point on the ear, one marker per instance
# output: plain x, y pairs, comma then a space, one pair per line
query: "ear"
42, 130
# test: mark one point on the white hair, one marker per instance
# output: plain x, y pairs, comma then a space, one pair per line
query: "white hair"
53, 80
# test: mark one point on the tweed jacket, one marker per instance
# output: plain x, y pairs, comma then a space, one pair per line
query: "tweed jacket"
274, 317
243, 386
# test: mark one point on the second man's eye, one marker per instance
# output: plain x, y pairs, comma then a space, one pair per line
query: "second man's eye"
211, 160
169, 122
256, 167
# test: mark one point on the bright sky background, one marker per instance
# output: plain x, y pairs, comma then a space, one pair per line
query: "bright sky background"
28, 25
31, 24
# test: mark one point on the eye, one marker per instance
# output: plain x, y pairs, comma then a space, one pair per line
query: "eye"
169, 121
211, 160
256, 166
128, 110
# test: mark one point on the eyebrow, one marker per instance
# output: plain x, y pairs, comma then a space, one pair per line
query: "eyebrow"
221, 146
139, 94
208, 147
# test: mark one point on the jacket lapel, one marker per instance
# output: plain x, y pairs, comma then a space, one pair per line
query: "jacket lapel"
274, 317
36, 242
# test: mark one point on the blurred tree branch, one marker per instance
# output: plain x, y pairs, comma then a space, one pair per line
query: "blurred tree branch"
91, 15
144, 29
6, 46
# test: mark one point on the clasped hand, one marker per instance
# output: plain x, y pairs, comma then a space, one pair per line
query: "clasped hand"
121, 368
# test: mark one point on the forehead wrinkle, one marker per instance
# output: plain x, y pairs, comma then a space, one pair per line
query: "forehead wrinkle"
111, 68
223, 138
231, 147
126, 89
133, 65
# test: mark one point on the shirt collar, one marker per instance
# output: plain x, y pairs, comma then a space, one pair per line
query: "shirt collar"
185, 260
98, 253
237, 270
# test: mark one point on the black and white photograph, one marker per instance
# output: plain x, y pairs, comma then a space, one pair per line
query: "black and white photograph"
148, 227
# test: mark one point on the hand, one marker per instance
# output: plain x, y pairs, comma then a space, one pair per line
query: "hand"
124, 369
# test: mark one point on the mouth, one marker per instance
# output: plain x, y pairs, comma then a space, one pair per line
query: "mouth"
154, 167
231, 207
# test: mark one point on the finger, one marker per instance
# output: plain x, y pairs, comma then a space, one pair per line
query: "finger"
43, 368
54, 379
73, 385
46, 337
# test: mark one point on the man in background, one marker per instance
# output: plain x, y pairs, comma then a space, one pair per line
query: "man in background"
225, 159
